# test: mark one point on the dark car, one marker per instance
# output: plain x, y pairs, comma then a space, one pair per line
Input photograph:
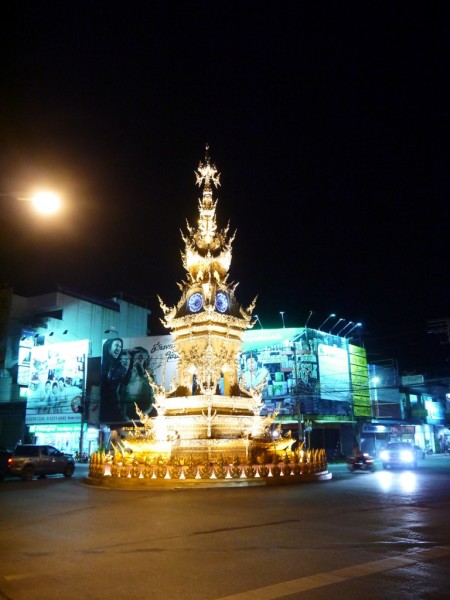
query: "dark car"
29, 460
399, 454
5, 456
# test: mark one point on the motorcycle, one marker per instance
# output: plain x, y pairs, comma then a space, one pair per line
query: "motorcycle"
365, 462
83, 458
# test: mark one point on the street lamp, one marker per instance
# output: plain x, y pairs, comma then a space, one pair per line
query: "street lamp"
354, 327
336, 324
282, 317
326, 321
349, 324
45, 202
311, 312
260, 324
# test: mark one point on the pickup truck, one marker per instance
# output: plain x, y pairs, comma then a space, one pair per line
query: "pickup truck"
29, 460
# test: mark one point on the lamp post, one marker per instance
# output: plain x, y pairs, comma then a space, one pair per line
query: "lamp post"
349, 324
376, 411
311, 312
308, 429
326, 321
336, 324
282, 317
352, 329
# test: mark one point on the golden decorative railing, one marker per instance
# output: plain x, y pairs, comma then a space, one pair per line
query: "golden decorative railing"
292, 464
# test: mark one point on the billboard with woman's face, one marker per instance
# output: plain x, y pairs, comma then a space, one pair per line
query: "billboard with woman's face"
126, 367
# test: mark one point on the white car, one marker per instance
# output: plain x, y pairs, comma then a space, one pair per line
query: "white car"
399, 454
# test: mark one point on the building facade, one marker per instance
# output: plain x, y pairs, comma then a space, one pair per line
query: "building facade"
319, 384
53, 340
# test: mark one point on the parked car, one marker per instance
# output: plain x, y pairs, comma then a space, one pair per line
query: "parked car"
5, 456
29, 460
399, 454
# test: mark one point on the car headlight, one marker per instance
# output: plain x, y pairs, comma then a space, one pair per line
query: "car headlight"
384, 455
406, 456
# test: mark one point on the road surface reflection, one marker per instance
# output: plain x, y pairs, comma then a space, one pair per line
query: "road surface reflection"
404, 481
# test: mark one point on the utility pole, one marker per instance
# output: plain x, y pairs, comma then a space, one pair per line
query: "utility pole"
82, 409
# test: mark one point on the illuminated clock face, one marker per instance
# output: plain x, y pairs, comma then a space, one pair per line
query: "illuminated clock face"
195, 302
221, 302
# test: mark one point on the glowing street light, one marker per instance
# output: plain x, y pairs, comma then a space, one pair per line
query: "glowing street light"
46, 203
282, 316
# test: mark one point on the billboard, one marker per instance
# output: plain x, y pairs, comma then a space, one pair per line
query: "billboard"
123, 380
307, 360
26, 345
291, 361
334, 373
57, 380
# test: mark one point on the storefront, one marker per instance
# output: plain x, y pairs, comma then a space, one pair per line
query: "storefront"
65, 437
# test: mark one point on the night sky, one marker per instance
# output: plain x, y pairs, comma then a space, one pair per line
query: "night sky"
329, 122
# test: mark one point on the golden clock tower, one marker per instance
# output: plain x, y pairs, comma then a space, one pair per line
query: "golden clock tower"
207, 324
203, 430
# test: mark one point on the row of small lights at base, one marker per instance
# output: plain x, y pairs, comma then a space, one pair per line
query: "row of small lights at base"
355, 325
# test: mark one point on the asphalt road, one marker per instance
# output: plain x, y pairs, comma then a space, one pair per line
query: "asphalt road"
361, 535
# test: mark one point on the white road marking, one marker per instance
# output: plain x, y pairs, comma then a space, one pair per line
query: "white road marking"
278, 590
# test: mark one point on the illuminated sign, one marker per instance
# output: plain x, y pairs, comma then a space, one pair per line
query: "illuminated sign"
54, 428
24, 360
334, 373
56, 384
435, 410
124, 383
293, 361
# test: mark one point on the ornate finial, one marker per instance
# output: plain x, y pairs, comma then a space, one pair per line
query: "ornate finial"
207, 173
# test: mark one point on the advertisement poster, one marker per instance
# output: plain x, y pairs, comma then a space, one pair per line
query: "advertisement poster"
334, 373
26, 345
280, 362
57, 379
124, 383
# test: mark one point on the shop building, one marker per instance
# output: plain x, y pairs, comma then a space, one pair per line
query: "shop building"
50, 353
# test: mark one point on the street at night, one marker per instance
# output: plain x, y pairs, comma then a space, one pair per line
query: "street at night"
360, 535
223, 274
